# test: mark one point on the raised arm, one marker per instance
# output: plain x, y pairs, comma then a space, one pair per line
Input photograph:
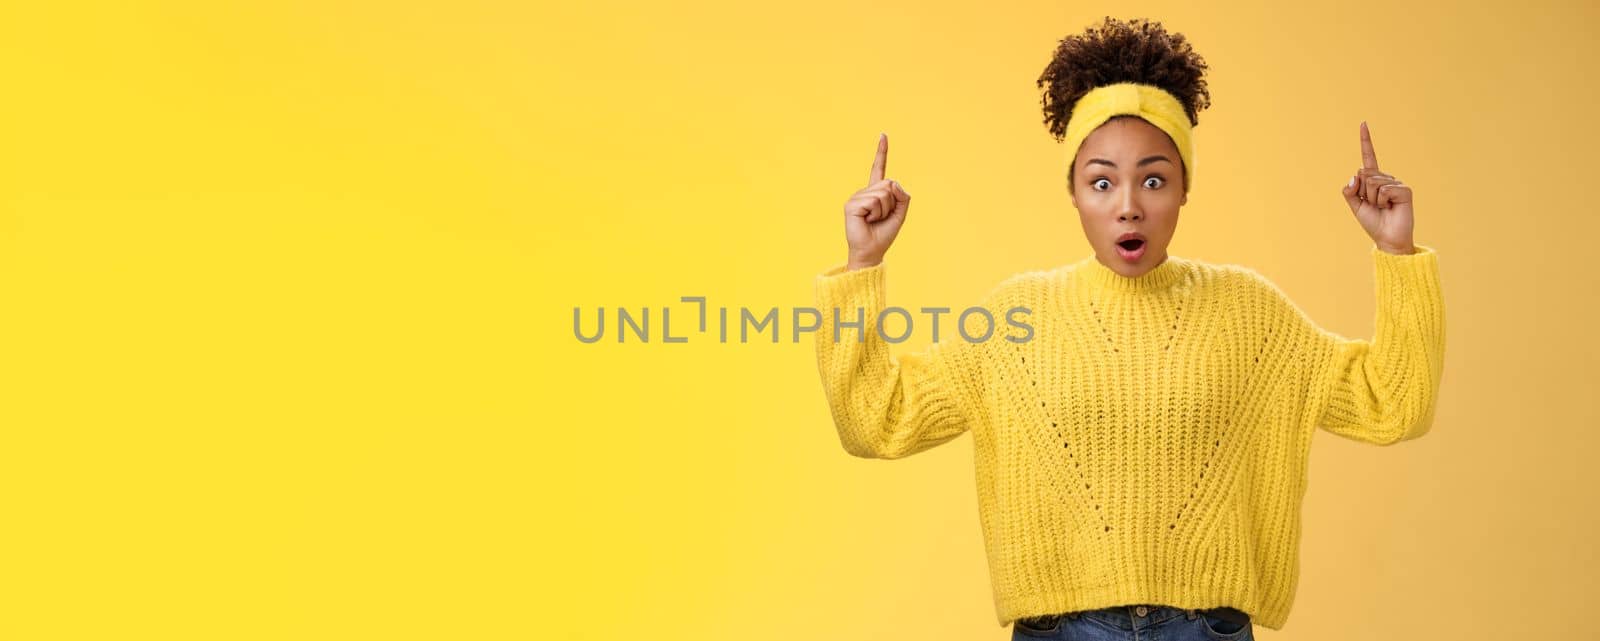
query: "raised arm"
883, 406
1384, 390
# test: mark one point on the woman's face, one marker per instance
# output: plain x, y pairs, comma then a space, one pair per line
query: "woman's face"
1128, 177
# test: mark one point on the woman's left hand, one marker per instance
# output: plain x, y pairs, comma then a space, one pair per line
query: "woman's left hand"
1381, 203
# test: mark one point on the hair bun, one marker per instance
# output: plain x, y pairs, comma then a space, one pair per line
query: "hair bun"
1138, 50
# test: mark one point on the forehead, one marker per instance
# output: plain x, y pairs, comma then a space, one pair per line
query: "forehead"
1125, 137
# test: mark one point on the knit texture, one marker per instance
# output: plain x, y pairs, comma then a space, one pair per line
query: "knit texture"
1149, 444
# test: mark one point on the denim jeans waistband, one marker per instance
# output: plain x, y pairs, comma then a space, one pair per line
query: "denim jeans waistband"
1129, 617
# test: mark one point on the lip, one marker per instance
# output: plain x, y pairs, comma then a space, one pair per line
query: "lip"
1135, 255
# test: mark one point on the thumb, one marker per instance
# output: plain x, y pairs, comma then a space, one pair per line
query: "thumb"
1352, 194
892, 222
902, 198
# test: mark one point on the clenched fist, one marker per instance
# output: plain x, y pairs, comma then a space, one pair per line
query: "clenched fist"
873, 215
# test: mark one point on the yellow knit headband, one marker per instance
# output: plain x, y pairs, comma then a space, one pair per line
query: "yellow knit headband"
1154, 104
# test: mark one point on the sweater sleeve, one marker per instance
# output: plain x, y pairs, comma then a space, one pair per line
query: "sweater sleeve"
883, 406
1384, 391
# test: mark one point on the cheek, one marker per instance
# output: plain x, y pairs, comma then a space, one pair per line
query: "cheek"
1098, 227
1167, 205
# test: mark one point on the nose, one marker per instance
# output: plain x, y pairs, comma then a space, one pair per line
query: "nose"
1127, 208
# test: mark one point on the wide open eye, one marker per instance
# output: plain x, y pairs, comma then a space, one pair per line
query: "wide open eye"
1097, 181
1159, 182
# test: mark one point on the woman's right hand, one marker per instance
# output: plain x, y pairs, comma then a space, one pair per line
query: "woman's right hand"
873, 215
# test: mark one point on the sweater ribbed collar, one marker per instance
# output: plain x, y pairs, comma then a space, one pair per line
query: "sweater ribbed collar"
1099, 278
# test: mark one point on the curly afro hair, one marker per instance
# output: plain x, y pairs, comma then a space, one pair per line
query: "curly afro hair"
1121, 51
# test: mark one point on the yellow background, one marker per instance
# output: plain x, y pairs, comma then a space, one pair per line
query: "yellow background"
286, 297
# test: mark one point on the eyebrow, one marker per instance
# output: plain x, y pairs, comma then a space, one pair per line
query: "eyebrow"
1113, 165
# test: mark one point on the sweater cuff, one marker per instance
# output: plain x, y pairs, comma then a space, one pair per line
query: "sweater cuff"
1407, 278
840, 286
1421, 250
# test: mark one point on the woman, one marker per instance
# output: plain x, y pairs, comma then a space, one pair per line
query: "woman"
1142, 456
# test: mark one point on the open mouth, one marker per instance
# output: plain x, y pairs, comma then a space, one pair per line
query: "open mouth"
1131, 247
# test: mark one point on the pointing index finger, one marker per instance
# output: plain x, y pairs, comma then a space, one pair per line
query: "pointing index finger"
1369, 158
882, 159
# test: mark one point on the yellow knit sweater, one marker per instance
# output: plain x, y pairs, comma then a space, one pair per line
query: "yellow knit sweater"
1149, 443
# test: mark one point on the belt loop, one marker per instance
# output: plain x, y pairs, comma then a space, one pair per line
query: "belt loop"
1189, 613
